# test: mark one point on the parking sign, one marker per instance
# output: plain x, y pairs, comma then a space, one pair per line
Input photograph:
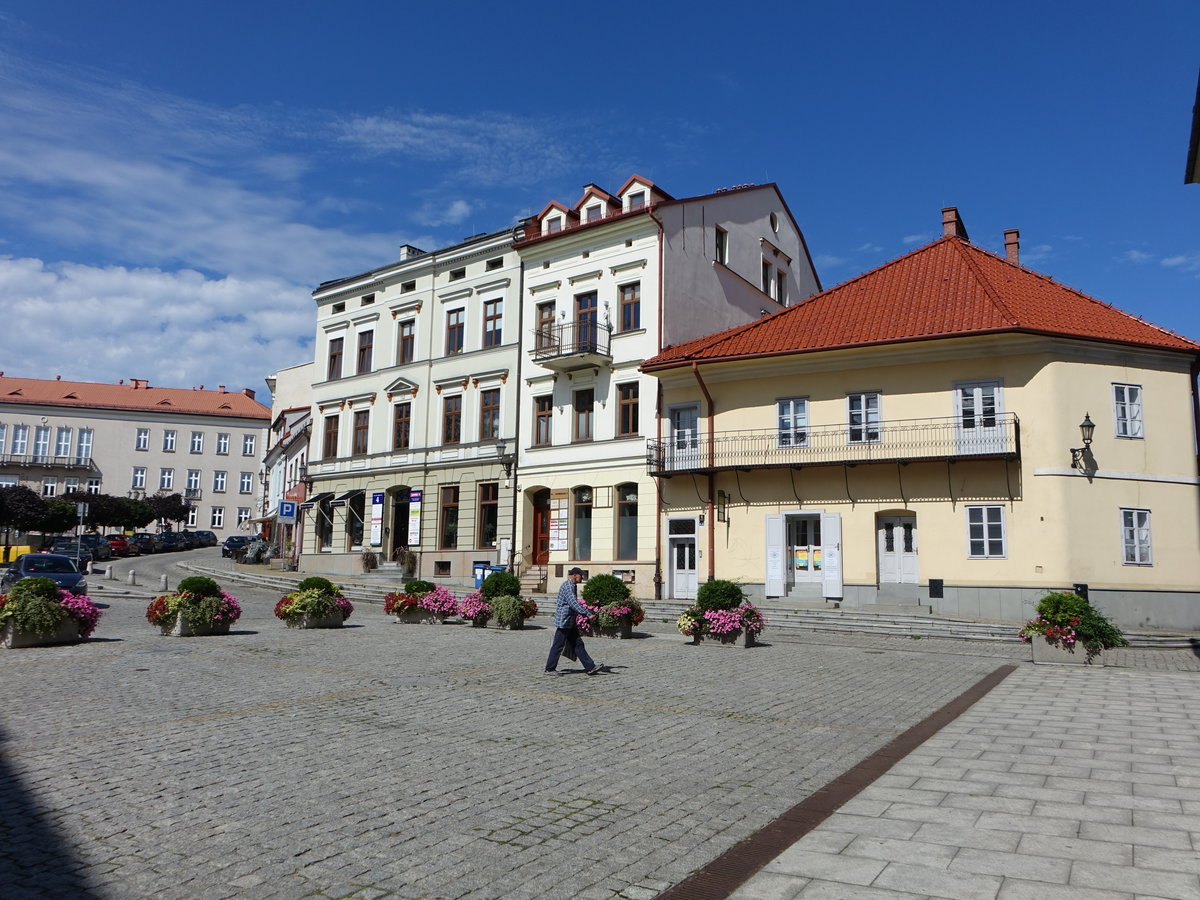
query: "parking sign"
287, 511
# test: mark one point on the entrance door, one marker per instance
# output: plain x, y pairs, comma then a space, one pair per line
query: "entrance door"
685, 438
977, 429
683, 568
804, 556
897, 549
586, 321
541, 527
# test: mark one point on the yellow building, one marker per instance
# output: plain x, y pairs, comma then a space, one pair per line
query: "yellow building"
922, 436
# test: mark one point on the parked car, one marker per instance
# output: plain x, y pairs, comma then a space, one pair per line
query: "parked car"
72, 548
206, 538
188, 540
146, 542
100, 548
234, 542
170, 540
45, 565
119, 544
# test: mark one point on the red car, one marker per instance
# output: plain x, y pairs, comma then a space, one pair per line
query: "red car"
120, 545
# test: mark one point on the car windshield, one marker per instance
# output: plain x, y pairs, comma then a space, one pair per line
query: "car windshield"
49, 564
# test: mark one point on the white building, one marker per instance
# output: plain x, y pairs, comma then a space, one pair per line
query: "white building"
286, 459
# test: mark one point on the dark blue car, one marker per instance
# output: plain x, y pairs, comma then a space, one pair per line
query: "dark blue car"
45, 565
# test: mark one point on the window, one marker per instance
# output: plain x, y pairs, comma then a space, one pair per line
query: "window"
586, 321
1127, 410
455, 328
408, 342
543, 413
219, 479
245, 482
62, 442
169, 441
494, 264
139, 478
358, 443
41, 442
3, 436
166, 479
337, 347
720, 245
441, 568
193, 479
367, 299
408, 287
584, 401
247, 445
545, 325
402, 426
243, 515
20, 443
339, 307
489, 514
493, 322
627, 409
637, 200
792, 422
83, 450
458, 274
581, 533
8, 481
627, 521
142, 441
985, 532
70, 485
489, 414
197, 445
593, 213
49, 487
863, 412
192, 517
329, 449
366, 348
222, 444
323, 516
781, 286
1135, 536
452, 419
217, 520
631, 306
93, 486
554, 225
768, 278
448, 521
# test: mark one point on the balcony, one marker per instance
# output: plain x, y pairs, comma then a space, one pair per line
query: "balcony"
192, 493
47, 462
571, 345
899, 441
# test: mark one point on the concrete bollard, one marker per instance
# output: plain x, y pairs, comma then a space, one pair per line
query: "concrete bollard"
109, 574
132, 577
162, 583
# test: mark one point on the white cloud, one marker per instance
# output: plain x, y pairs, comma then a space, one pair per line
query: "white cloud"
916, 238
434, 213
827, 261
1136, 256
1036, 253
1189, 262
870, 248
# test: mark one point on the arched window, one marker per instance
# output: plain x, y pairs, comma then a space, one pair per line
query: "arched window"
581, 547
627, 521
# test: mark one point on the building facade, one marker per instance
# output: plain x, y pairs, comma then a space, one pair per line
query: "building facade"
949, 430
286, 459
608, 282
131, 439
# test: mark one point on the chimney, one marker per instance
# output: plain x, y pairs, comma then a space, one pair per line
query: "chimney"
408, 251
1012, 245
249, 393
138, 383
952, 224
221, 388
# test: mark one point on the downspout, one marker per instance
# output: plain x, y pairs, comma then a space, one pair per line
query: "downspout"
1195, 372
712, 439
660, 509
515, 486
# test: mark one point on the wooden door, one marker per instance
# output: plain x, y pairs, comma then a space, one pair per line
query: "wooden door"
541, 528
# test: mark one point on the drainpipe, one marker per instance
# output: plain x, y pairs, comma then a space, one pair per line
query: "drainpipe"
708, 513
1195, 372
515, 487
660, 510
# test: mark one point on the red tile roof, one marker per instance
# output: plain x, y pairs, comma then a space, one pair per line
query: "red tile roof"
949, 288
136, 395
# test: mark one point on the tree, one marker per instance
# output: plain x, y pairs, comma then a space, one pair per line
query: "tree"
138, 513
20, 508
169, 507
60, 516
104, 510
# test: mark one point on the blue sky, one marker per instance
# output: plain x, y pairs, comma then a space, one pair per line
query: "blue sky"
175, 178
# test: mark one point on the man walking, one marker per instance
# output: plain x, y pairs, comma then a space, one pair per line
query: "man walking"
566, 630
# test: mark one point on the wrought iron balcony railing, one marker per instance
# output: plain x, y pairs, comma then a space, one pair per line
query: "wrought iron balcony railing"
904, 440
571, 343
47, 461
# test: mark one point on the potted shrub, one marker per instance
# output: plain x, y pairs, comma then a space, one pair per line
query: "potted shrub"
421, 608
722, 614
475, 608
1069, 630
510, 611
198, 607
407, 561
316, 603
37, 611
615, 611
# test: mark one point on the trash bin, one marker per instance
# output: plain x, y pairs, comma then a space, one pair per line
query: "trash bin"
480, 570
498, 568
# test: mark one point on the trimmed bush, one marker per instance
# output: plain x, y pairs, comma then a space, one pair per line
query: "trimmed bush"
199, 585
419, 587
500, 584
719, 594
317, 583
603, 589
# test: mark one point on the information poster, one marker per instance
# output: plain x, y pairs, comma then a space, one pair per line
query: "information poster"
377, 519
559, 505
414, 518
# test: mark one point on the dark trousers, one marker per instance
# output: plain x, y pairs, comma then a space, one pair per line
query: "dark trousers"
564, 637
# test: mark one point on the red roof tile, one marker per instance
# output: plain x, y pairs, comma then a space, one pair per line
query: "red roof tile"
91, 395
949, 288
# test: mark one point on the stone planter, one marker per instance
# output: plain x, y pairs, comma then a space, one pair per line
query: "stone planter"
511, 626
480, 621
180, 628
67, 633
333, 620
732, 639
420, 617
623, 630
1048, 654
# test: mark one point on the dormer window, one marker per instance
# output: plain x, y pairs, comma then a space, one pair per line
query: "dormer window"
554, 225
637, 200
593, 213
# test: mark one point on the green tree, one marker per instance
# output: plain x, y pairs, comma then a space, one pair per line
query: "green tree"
61, 516
138, 513
169, 507
20, 509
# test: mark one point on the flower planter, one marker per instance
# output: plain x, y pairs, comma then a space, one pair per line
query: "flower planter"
729, 639
1048, 654
420, 617
511, 626
480, 621
180, 628
67, 633
623, 630
332, 620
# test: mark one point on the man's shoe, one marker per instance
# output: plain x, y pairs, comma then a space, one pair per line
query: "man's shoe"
594, 670
549, 672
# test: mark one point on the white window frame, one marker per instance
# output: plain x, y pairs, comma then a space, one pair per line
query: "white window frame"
1128, 423
3, 437
83, 447
70, 485
169, 440
62, 441
49, 487
218, 517
243, 515
219, 480
1133, 521
867, 422
142, 440
197, 445
93, 486
166, 479
246, 483
983, 526
20, 441
791, 426
193, 479
41, 443
192, 517
223, 444
138, 482
248, 444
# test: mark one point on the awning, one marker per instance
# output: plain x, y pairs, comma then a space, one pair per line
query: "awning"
349, 495
318, 498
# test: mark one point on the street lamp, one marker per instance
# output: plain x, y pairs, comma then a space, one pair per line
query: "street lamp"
1086, 428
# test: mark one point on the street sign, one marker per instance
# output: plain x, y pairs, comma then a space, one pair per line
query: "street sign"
287, 511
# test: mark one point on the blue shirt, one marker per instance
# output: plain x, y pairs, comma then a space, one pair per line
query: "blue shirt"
567, 605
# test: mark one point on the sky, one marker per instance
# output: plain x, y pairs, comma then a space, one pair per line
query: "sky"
176, 178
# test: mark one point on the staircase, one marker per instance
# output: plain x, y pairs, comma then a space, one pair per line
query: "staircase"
533, 580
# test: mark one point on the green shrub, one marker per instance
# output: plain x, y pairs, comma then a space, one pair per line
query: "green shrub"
317, 583
499, 584
418, 587
719, 594
1061, 614
508, 609
33, 605
602, 589
199, 585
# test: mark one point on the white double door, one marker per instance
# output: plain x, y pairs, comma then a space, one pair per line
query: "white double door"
897, 549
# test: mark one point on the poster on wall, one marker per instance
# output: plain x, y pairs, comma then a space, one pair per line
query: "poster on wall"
414, 518
377, 519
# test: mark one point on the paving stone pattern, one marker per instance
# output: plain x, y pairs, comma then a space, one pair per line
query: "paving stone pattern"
408, 761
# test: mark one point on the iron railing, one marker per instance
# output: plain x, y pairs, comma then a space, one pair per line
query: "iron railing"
902, 440
55, 462
571, 339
